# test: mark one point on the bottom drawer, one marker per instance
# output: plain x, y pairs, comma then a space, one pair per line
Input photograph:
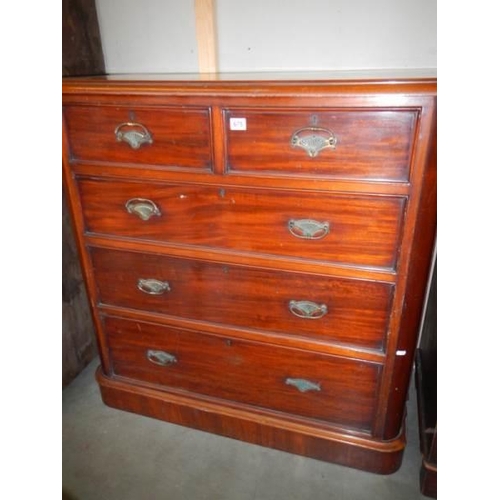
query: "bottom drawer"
325, 387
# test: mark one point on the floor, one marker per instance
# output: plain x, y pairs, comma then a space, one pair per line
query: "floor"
110, 454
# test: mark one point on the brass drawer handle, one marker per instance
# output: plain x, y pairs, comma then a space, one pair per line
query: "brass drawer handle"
303, 385
307, 310
308, 229
161, 358
152, 286
313, 140
134, 134
142, 208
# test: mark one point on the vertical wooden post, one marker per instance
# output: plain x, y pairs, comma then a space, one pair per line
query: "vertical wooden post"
206, 35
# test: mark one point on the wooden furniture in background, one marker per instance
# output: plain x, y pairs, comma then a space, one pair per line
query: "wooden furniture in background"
426, 386
81, 39
256, 251
81, 55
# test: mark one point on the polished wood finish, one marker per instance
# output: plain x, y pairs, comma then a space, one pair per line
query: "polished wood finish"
358, 311
181, 138
282, 431
247, 372
414, 271
304, 344
250, 220
373, 145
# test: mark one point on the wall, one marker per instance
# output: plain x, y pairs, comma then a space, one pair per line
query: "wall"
148, 35
160, 35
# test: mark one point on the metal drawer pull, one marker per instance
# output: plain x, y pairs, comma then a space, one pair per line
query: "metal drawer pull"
313, 140
152, 286
161, 358
308, 229
306, 309
303, 385
142, 208
133, 137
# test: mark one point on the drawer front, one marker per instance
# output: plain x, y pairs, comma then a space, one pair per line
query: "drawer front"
371, 145
324, 387
165, 137
359, 230
343, 310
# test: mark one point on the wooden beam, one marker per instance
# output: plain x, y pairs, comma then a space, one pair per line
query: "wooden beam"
206, 35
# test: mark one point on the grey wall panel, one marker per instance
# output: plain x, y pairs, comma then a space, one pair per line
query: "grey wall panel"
326, 34
148, 36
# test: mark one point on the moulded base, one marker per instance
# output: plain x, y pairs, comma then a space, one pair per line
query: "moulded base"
301, 437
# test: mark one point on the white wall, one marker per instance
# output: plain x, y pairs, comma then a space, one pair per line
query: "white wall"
159, 35
144, 36
326, 34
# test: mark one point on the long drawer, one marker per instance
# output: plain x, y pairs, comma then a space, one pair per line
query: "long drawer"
348, 229
343, 310
330, 388
165, 137
352, 144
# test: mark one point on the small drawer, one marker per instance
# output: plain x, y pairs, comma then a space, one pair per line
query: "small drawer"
371, 145
325, 387
163, 137
348, 311
345, 229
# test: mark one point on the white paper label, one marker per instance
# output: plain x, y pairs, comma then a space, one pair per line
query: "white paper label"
237, 123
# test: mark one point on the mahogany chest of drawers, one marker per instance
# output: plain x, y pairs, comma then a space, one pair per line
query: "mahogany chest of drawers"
256, 252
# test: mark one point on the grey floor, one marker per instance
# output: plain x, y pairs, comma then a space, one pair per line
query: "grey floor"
110, 454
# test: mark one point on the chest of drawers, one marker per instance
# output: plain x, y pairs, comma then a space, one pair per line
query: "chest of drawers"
256, 252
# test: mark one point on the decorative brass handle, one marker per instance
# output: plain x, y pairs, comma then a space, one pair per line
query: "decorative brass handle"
306, 309
313, 140
308, 229
133, 137
303, 385
152, 286
142, 208
161, 358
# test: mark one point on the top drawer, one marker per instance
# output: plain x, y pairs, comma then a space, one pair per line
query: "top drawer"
167, 137
350, 144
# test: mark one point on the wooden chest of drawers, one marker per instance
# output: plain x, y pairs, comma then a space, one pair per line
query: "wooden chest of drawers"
256, 252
